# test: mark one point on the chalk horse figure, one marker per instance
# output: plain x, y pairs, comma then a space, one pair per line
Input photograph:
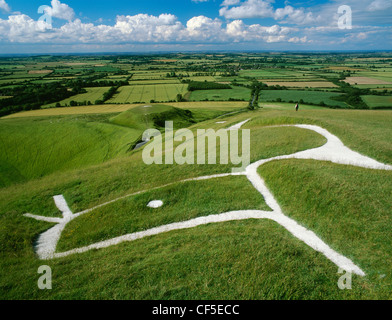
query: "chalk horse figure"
334, 151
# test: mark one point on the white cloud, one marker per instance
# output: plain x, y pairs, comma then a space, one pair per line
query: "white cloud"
294, 16
166, 30
147, 28
60, 10
22, 29
142, 29
379, 5
248, 9
265, 9
298, 40
230, 2
204, 28
237, 29
4, 6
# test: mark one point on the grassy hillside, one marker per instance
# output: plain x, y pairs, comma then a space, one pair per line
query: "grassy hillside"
153, 116
237, 260
350, 208
35, 147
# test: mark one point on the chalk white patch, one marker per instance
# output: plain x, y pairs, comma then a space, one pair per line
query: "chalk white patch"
238, 125
62, 205
155, 204
220, 122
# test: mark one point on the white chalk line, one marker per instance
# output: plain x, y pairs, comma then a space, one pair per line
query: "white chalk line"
47, 241
333, 151
238, 125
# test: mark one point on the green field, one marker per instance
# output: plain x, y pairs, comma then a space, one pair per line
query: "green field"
378, 102
309, 97
153, 82
278, 74
149, 76
237, 93
146, 93
382, 75
35, 147
92, 95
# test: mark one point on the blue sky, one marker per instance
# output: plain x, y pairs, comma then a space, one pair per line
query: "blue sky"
193, 25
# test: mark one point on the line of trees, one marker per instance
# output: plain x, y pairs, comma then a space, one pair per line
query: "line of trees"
32, 97
196, 85
254, 98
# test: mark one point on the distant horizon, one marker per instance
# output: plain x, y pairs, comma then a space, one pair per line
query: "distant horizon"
192, 52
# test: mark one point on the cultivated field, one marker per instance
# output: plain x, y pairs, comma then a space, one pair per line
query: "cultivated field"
146, 93
309, 97
237, 93
376, 102
302, 84
366, 80
92, 95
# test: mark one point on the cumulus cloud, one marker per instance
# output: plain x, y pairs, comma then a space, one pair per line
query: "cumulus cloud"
22, 29
247, 9
147, 28
294, 25
234, 9
142, 29
60, 10
204, 28
237, 29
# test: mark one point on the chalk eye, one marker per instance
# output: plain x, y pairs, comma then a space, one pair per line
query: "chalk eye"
155, 204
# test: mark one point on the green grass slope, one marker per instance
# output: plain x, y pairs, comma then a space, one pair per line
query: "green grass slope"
153, 116
35, 147
347, 207
38, 146
182, 202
